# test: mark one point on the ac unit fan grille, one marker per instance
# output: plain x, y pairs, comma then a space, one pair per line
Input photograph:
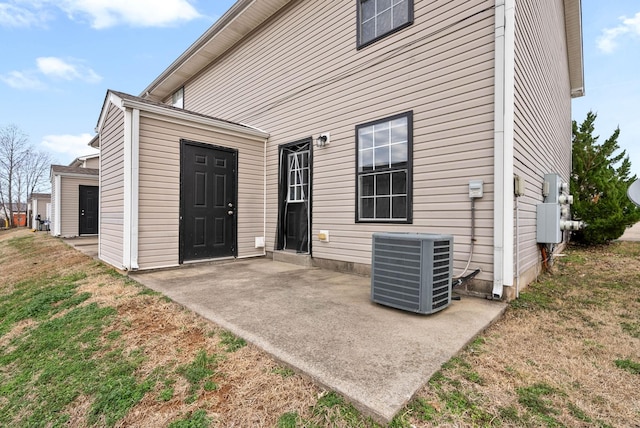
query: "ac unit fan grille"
397, 273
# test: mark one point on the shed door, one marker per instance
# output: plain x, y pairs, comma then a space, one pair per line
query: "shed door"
208, 196
88, 210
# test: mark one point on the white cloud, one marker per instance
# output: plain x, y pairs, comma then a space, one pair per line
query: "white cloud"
608, 41
66, 70
138, 13
52, 68
68, 147
12, 15
22, 80
100, 13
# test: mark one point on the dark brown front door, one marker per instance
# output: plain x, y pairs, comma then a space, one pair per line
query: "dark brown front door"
88, 210
208, 195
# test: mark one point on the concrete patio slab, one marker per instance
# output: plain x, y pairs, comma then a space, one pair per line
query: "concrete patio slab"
323, 324
85, 244
632, 233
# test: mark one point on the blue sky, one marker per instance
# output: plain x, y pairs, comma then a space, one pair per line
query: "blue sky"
60, 56
611, 43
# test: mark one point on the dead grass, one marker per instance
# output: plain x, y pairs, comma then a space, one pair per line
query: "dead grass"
550, 361
565, 332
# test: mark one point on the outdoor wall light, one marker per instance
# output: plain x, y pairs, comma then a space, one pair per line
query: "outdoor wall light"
323, 139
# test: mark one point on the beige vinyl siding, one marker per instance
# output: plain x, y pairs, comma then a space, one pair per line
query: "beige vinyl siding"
295, 78
70, 203
92, 163
159, 190
42, 208
39, 206
542, 110
112, 187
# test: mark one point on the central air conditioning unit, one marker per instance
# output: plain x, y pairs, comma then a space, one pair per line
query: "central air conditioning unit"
412, 271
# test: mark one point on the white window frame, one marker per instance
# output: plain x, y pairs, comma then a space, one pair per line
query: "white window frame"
297, 168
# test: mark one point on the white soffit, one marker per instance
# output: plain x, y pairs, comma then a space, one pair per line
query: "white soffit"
240, 20
573, 24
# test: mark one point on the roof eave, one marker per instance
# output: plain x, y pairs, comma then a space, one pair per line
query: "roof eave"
187, 116
95, 143
109, 99
240, 20
573, 24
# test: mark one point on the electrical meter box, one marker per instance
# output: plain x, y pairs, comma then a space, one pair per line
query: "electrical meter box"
552, 188
548, 223
476, 188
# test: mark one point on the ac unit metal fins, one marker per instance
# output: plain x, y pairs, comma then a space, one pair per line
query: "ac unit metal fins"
412, 271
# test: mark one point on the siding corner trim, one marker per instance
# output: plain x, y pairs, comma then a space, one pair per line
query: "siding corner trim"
131, 183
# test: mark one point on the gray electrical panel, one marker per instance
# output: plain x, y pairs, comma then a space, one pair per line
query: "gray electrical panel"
554, 215
548, 223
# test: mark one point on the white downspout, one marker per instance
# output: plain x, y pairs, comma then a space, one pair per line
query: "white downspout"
504, 85
131, 182
264, 202
56, 208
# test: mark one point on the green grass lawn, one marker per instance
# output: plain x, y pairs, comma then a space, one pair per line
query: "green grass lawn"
82, 345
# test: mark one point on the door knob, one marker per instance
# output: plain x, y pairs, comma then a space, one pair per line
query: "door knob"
230, 212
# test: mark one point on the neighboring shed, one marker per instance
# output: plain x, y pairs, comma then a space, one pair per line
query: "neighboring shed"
88, 161
40, 205
74, 201
177, 186
19, 214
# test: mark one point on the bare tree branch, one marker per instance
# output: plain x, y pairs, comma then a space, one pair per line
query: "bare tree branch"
14, 148
33, 174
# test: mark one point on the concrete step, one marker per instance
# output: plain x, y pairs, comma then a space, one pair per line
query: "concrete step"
293, 258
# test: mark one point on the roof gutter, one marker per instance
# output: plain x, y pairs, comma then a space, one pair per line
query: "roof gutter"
238, 22
75, 175
187, 116
216, 28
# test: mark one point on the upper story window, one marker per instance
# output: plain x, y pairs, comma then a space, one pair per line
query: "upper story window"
377, 18
177, 99
384, 170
